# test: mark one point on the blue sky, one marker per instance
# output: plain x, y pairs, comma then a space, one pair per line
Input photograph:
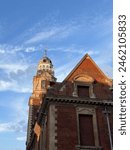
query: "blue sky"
68, 29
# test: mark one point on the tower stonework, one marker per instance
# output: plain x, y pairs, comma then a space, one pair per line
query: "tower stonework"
75, 114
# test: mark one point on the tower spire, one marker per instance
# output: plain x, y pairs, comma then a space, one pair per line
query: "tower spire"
45, 52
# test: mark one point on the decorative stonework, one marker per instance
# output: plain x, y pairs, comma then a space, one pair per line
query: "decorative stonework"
37, 130
52, 127
34, 101
88, 67
90, 85
76, 100
88, 111
30, 122
45, 65
83, 78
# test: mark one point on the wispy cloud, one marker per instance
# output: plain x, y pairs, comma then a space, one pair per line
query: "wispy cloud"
5, 127
19, 114
14, 86
22, 138
16, 69
5, 85
13, 127
2, 51
13, 67
75, 49
16, 76
18, 80
19, 71
42, 36
12, 49
57, 32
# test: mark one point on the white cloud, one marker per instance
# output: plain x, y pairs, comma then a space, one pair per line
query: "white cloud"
5, 127
19, 113
19, 127
13, 67
5, 48
4, 85
2, 51
92, 52
75, 49
22, 138
16, 71
12, 49
22, 48
17, 80
14, 85
30, 49
42, 36
55, 32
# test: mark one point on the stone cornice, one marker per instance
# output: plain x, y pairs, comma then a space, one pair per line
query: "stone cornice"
75, 100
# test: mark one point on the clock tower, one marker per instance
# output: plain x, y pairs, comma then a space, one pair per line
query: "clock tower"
42, 81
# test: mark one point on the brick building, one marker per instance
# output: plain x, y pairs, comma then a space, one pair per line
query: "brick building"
75, 114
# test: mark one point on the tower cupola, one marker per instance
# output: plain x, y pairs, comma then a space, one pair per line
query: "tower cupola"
45, 67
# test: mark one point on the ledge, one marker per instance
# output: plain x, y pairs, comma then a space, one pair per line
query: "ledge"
77, 100
79, 147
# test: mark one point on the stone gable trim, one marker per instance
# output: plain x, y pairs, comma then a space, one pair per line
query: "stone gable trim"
87, 57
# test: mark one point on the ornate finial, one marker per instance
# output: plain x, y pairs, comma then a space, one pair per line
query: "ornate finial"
45, 52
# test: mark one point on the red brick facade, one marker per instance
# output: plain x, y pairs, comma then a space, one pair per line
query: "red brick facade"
67, 135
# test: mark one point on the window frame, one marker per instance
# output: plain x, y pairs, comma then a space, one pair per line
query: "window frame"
90, 85
88, 111
92, 143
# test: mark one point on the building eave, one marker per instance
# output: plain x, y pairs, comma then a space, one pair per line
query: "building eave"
76, 100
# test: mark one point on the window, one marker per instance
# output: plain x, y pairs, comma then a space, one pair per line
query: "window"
83, 91
86, 130
43, 84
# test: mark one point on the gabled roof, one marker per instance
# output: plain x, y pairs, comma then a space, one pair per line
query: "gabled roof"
87, 66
